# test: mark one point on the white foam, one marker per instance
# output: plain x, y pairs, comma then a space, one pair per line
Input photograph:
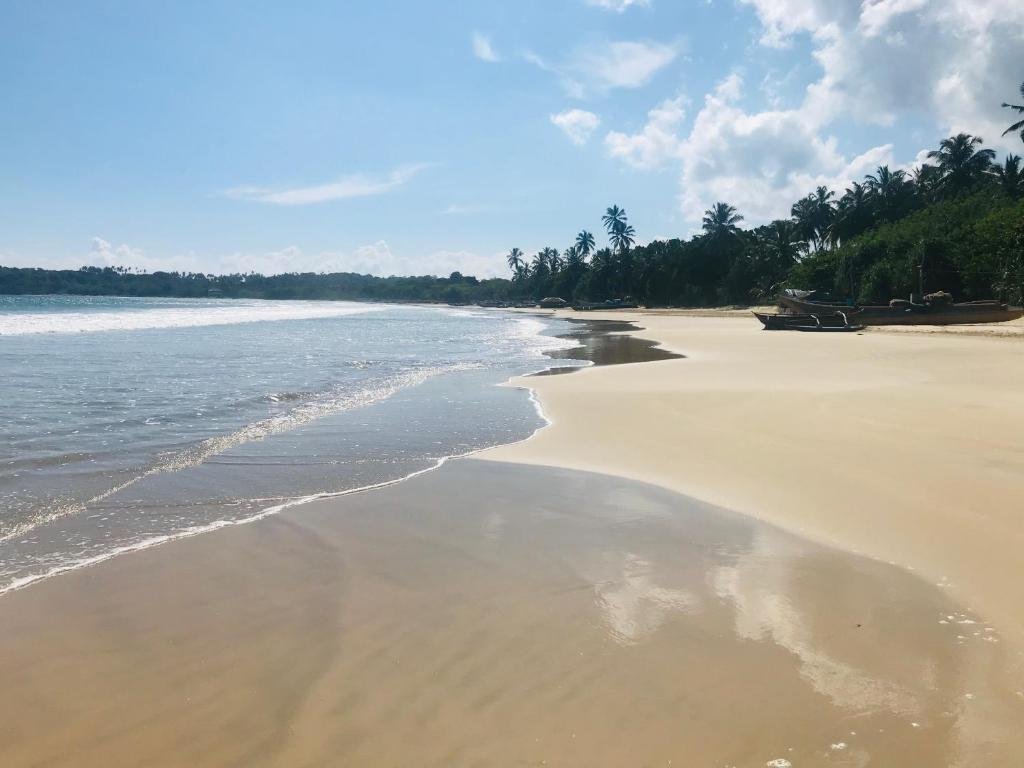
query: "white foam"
23, 323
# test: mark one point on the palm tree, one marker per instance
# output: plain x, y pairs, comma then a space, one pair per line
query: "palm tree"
814, 214
1019, 125
515, 261
782, 241
539, 266
1010, 176
584, 243
620, 233
890, 191
721, 219
623, 239
853, 214
554, 261
959, 162
613, 219
926, 179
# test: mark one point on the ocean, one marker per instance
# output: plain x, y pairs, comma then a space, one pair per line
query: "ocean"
127, 422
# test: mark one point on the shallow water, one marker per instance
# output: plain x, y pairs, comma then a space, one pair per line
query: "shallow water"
126, 421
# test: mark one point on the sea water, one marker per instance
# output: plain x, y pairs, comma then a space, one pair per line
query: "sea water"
126, 422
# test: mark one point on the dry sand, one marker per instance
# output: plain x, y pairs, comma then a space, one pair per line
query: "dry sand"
504, 613
492, 614
908, 447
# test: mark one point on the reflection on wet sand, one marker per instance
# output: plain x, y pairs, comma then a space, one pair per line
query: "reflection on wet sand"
497, 614
606, 342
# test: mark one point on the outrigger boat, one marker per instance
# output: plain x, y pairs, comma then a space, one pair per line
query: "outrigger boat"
832, 321
936, 309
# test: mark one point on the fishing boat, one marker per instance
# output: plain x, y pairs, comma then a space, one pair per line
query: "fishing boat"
831, 321
935, 309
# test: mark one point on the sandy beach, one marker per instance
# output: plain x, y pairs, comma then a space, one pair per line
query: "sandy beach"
778, 549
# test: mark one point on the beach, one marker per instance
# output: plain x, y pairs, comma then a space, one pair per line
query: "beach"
773, 549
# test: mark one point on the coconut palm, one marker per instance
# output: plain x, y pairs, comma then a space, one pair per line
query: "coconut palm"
515, 261
1010, 176
554, 261
623, 239
813, 215
853, 214
620, 233
584, 244
890, 192
782, 241
721, 219
1019, 125
614, 218
539, 265
926, 179
960, 162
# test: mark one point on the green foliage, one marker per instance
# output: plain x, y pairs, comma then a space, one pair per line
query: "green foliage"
96, 281
957, 223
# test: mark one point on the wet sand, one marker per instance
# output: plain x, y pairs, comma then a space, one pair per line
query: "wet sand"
496, 614
606, 342
903, 446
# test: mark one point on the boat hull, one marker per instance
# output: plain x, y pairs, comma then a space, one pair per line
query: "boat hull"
953, 314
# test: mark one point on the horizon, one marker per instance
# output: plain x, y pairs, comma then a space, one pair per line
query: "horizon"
404, 140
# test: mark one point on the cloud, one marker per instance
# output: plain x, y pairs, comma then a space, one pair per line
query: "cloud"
604, 66
882, 62
377, 258
577, 124
619, 6
656, 143
351, 186
104, 254
483, 49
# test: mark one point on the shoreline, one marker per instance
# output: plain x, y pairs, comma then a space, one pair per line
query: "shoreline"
604, 425
549, 365
489, 613
577, 597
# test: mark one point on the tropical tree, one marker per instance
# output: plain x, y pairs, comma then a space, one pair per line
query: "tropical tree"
554, 261
853, 214
960, 162
620, 233
721, 219
1019, 108
813, 215
926, 180
585, 244
890, 192
515, 261
539, 268
1010, 176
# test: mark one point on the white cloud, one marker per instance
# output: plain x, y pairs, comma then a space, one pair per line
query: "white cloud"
949, 62
618, 6
376, 258
601, 67
577, 124
627, 64
104, 254
483, 49
355, 185
656, 143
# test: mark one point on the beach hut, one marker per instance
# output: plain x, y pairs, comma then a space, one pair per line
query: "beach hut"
553, 302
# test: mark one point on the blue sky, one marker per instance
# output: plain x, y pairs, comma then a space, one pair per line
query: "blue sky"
414, 137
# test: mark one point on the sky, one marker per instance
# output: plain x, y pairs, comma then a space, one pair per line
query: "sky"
411, 137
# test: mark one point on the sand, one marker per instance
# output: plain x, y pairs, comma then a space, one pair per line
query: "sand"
492, 614
667, 575
906, 447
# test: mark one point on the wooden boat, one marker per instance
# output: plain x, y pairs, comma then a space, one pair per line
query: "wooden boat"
827, 321
901, 312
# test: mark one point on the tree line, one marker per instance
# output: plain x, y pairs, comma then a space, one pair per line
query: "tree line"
958, 218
